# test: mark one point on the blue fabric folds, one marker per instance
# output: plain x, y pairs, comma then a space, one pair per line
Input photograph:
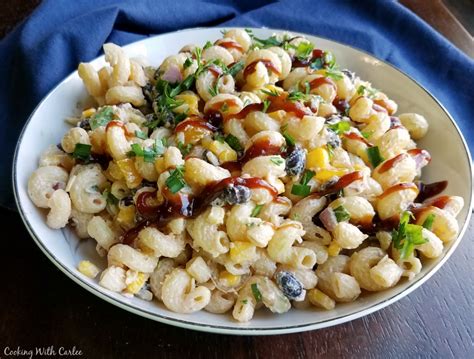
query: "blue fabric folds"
40, 52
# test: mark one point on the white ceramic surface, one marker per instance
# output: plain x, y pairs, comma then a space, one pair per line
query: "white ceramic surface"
451, 160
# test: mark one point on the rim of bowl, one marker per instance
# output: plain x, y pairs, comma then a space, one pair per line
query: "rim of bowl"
220, 329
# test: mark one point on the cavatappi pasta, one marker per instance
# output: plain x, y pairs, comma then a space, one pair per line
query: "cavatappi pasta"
243, 173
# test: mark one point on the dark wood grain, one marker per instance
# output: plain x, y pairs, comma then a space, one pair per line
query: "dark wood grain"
41, 307
439, 16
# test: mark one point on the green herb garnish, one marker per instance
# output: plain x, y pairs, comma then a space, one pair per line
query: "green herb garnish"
374, 156
334, 74
256, 293
277, 160
140, 134
176, 180
268, 92
340, 127
256, 210
101, 118
188, 62
263, 43
303, 50
207, 45
110, 198
266, 105
233, 142
297, 96
245, 301
236, 68
185, 149
290, 141
341, 214
366, 135
302, 188
82, 152
367, 91
428, 223
407, 236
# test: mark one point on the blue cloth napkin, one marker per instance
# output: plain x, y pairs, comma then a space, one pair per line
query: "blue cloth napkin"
40, 52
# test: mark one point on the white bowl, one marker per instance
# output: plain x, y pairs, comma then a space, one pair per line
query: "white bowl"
451, 160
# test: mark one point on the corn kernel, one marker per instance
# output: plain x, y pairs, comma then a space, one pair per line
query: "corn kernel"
88, 269
223, 151
88, 113
326, 175
321, 300
189, 105
160, 165
278, 115
242, 251
135, 286
228, 279
129, 172
126, 217
113, 171
333, 249
318, 158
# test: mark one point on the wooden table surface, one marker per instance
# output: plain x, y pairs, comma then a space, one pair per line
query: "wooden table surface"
41, 307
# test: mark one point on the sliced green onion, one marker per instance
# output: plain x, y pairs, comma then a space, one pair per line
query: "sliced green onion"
233, 142
300, 189
176, 180
428, 223
82, 151
307, 175
374, 156
256, 210
256, 292
340, 127
341, 214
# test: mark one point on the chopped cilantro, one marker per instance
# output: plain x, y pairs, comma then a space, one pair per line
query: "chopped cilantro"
340, 127
407, 236
101, 118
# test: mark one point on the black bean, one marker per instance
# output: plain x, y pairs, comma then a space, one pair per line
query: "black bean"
333, 139
148, 92
85, 124
126, 201
295, 161
349, 74
289, 285
236, 194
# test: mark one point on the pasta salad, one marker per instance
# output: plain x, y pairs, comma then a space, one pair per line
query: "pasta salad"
245, 173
